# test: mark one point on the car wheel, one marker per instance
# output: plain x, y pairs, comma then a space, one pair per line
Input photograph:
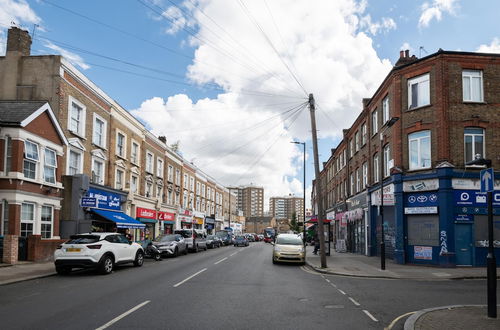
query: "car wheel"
61, 270
186, 251
206, 247
106, 265
158, 257
139, 259
274, 261
176, 252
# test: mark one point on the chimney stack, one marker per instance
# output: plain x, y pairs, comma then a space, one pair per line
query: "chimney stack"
407, 53
19, 40
163, 139
401, 54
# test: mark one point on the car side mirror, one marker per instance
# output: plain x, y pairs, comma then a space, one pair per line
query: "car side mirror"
129, 242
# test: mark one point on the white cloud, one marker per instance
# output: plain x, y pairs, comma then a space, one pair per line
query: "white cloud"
435, 11
17, 13
385, 25
493, 47
71, 57
329, 53
407, 46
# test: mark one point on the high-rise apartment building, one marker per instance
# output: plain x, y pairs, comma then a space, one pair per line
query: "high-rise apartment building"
284, 207
251, 201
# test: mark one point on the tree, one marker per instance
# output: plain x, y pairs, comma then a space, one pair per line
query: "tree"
293, 223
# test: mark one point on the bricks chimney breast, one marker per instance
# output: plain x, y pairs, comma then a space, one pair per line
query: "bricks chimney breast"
401, 54
407, 53
19, 40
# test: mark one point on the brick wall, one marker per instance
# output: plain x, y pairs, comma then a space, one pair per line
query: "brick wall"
42, 249
10, 246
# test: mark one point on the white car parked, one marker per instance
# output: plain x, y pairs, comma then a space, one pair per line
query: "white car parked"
97, 250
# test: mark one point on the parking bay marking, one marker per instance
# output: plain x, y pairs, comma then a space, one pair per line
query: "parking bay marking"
190, 277
370, 315
215, 263
119, 317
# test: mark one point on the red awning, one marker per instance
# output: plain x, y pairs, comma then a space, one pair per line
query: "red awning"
315, 220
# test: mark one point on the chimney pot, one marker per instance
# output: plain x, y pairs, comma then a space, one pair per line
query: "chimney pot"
407, 53
401, 54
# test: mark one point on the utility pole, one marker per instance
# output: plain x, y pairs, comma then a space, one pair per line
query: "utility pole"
319, 195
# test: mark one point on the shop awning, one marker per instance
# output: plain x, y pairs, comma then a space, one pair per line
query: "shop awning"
121, 219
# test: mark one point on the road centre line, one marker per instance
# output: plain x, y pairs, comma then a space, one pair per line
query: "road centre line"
233, 253
119, 317
354, 301
370, 315
327, 280
335, 286
190, 277
215, 263
341, 291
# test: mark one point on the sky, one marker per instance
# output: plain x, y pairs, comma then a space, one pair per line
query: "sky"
228, 80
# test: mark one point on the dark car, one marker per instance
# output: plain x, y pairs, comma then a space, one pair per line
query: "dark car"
213, 242
240, 241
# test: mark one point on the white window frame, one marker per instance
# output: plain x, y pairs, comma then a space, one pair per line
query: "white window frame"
134, 187
30, 159
363, 134
385, 110
423, 91
387, 153
351, 148
122, 154
472, 75
80, 165
191, 183
51, 167
376, 168
103, 143
119, 179
351, 178
170, 173
418, 138
365, 174
103, 162
135, 158
148, 189
198, 188
474, 135
81, 127
4, 225
150, 162
177, 177
28, 221
356, 139
374, 118
51, 222
159, 167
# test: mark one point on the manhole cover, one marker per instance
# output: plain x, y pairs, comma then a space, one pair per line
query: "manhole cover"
304, 299
334, 306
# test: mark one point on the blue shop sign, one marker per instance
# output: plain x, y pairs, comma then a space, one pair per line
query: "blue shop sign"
464, 217
423, 199
88, 202
105, 200
474, 198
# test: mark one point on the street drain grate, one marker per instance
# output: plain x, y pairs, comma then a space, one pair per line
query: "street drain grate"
334, 306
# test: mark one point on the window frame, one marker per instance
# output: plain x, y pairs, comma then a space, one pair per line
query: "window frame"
386, 155
93, 167
51, 167
481, 85
386, 110
27, 221
122, 154
364, 135
414, 137
365, 174
103, 143
418, 80
376, 167
159, 167
119, 179
81, 128
134, 187
374, 119
150, 162
68, 166
44, 222
31, 160
135, 158
473, 135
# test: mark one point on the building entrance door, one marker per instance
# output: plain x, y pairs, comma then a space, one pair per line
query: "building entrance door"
463, 244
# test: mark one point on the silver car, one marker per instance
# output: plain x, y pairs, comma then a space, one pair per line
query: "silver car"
171, 245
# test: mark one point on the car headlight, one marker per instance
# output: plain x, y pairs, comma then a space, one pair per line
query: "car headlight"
301, 249
277, 249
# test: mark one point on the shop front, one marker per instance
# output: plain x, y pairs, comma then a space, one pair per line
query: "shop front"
198, 220
185, 219
219, 224
148, 218
341, 227
166, 221
357, 208
209, 225
389, 211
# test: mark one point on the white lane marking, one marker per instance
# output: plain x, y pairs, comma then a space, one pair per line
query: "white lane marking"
118, 318
327, 280
333, 285
370, 315
341, 291
190, 277
215, 263
354, 301
233, 253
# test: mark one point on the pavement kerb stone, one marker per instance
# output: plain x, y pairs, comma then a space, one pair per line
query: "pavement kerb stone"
27, 278
410, 322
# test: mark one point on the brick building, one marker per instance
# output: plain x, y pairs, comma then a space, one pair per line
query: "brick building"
447, 106
251, 200
285, 207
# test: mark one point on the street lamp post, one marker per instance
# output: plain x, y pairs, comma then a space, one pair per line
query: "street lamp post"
304, 201
491, 271
381, 157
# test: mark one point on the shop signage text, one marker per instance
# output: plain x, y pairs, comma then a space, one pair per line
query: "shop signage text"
166, 216
105, 199
88, 202
464, 217
388, 195
145, 213
471, 198
421, 185
470, 184
422, 252
421, 210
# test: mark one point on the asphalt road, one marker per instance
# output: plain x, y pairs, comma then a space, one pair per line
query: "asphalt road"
226, 288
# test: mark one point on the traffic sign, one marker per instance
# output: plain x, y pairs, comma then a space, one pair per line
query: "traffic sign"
487, 178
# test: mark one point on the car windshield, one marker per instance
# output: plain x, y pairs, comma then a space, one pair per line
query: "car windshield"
240, 237
288, 240
166, 238
83, 239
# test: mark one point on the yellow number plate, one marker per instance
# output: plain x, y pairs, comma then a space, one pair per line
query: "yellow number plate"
73, 250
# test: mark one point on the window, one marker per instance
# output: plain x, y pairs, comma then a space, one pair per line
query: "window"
134, 153
358, 180
169, 197
8, 155
76, 120
198, 188
202, 190
120, 145
374, 122
365, 174
46, 221
385, 110
185, 182
159, 192
170, 173
208, 192
119, 179
356, 138
184, 199
159, 168
30, 159
74, 162
98, 171
418, 92
178, 177
4, 226
27, 219
49, 168
149, 189
472, 85
419, 145
387, 161
149, 162
363, 134
351, 148
99, 135
474, 143
134, 183
352, 184
191, 183
376, 169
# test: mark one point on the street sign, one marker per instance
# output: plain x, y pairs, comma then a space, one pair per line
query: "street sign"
88, 202
487, 178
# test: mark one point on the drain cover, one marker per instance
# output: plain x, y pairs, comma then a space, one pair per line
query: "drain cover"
334, 306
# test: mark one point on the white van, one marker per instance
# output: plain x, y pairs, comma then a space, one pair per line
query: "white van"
195, 238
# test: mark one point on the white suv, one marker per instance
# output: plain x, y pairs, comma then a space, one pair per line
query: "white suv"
97, 250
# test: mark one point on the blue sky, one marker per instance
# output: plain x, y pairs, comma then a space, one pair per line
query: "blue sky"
223, 91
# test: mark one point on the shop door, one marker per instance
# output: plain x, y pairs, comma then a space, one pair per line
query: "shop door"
463, 244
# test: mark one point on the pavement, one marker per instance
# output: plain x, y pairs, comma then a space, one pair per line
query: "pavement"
354, 265
455, 317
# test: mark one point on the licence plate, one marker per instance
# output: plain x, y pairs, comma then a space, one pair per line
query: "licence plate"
73, 250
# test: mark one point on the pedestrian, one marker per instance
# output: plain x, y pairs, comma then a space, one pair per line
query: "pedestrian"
316, 244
